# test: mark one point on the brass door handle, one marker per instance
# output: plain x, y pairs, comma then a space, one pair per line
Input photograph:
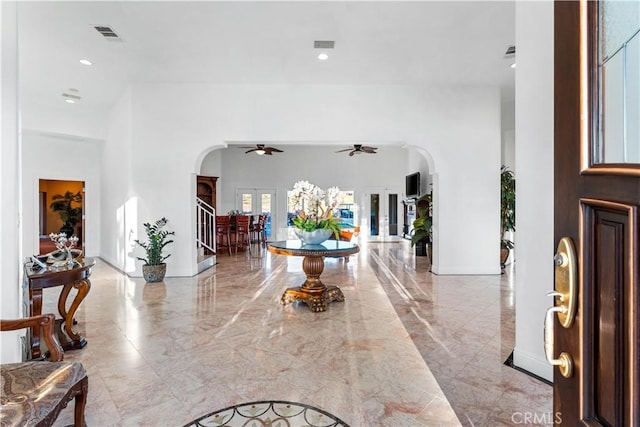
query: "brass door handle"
565, 303
566, 281
565, 361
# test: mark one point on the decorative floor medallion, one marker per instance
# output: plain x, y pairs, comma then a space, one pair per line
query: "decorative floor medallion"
270, 413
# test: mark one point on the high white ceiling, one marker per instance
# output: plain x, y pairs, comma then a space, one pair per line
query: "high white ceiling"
259, 43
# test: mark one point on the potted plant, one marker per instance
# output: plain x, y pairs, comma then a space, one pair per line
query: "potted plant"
154, 268
317, 223
422, 226
70, 215
507, 212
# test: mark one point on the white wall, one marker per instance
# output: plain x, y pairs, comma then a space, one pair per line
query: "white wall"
62, 118
320, 165
61, 158
534, 175
10, 250
117, 201
458, 126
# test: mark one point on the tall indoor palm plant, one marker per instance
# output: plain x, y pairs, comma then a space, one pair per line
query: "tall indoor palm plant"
69, 207
507, 211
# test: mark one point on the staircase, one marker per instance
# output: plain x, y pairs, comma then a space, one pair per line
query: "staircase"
206, 236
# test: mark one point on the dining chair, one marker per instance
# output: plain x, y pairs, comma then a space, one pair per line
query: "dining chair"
223, 233
258, 233
243, 232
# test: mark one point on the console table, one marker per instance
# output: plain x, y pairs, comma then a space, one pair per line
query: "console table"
313, 292
76, 276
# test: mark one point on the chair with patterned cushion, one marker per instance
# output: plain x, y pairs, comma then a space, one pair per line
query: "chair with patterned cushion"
33, 393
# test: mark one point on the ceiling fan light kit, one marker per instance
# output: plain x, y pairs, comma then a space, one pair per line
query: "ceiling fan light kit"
359, 149
262, 149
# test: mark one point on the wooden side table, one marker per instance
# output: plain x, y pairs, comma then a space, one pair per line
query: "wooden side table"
68, 277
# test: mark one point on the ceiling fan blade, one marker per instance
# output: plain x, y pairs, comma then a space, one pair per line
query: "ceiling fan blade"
346, 149
352, 153
369, 150
249, 151
273, 150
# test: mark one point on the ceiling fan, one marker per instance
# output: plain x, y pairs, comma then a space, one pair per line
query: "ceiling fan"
261, 149
359, 148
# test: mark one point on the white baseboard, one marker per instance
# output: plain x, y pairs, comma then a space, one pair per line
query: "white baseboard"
466, 270
532, 363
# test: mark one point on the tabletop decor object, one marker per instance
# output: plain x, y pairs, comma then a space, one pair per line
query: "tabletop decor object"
154, 268
64, 255
314, 221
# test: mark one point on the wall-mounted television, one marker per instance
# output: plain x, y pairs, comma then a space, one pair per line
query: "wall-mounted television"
412, 187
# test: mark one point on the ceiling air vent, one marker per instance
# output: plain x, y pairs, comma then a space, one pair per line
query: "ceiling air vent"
324, 44
511, 51
107, 32
70, 96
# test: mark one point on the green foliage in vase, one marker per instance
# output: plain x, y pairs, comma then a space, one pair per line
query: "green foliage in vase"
422, 225
70, 215
311, 224
157, 241
507, 205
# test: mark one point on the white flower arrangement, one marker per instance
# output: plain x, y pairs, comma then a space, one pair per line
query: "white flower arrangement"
62, 242
314, 207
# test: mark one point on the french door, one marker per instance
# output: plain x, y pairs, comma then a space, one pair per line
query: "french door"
380, 217
596, 226
256, 201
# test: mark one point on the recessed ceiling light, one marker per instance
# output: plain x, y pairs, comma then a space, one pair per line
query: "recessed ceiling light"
86, 62
513, 65
323, 56
70, 101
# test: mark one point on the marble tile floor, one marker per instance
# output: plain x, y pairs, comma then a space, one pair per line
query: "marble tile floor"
403, 349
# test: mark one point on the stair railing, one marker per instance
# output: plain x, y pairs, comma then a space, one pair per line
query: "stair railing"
206, 215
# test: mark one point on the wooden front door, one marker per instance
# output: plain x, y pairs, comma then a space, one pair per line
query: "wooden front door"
597, 198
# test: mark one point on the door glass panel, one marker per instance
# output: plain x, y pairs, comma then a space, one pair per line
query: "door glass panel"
265, 208
613, 109
393, 214
374, 215
247, 202
633, 100
346, 206
618, 136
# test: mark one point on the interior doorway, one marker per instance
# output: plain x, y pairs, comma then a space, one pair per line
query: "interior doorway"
381, 213
61, 209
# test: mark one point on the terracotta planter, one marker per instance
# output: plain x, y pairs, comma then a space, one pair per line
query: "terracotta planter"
154, 273
504, 255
